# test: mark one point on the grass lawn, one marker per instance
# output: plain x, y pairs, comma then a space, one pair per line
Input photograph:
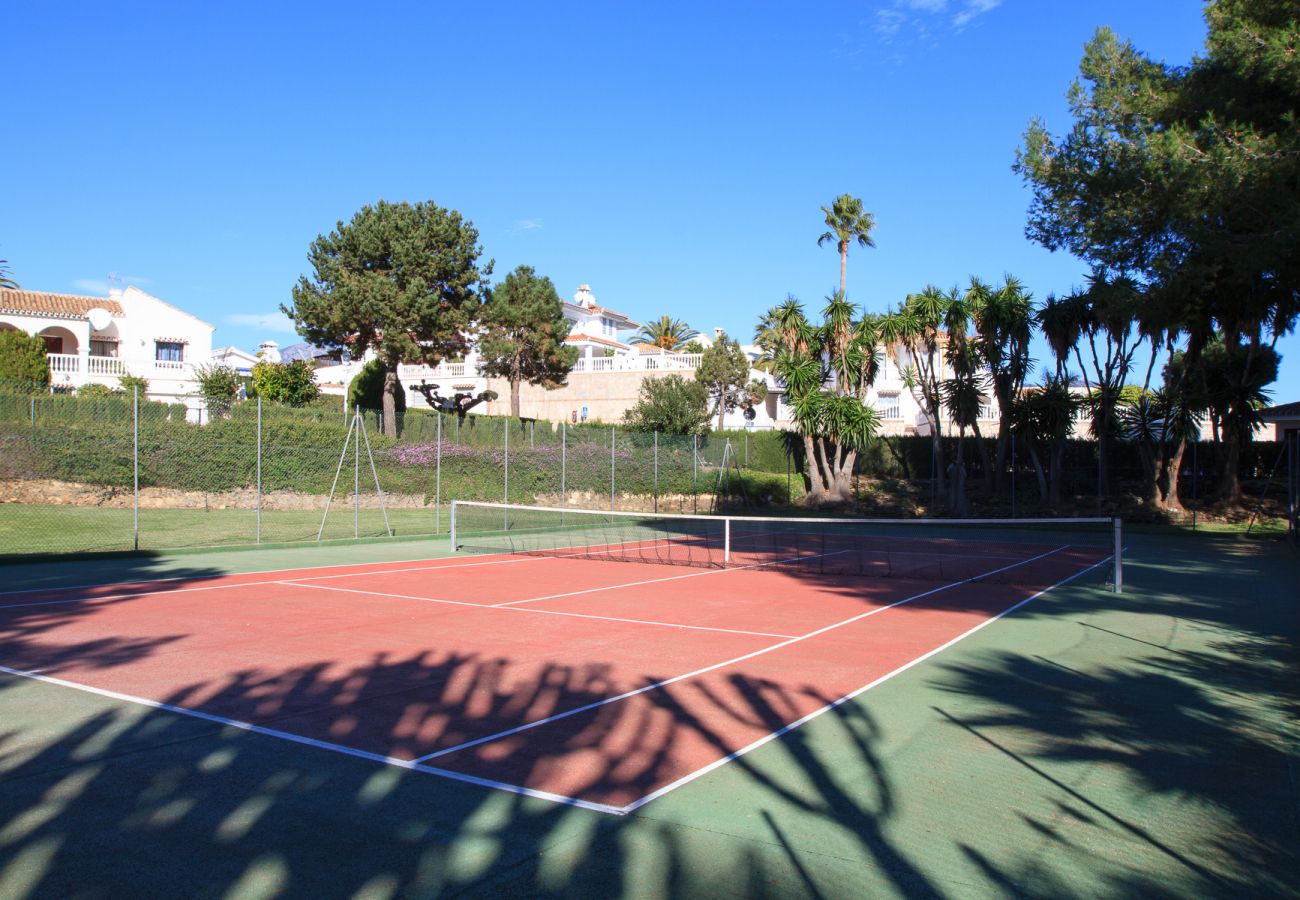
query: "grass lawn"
28, 530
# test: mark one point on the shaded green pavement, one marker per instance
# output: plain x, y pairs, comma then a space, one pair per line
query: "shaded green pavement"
1087, 745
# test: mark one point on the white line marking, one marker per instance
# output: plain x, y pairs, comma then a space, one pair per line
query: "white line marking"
667, 681
412, 765
637, 804
672, 578
546, 612
214, 587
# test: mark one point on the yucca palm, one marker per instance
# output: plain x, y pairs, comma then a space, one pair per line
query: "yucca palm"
826, 371
847, 223
665, 332
1003, 319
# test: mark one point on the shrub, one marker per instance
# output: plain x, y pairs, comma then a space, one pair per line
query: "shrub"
670, 405
367, 388
22, 359
293, 382
130, 383
218, 386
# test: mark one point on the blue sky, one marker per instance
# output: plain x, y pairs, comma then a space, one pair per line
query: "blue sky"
673, 156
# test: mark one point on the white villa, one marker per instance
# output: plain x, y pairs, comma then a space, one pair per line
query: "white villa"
97, 340
606, 380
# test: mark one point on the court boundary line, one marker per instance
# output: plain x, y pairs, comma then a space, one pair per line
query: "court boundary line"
417, 765
701, 671
786, 729
549, 612
411, 765
514, 558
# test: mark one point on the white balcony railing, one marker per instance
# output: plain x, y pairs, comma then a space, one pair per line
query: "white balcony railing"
68, 364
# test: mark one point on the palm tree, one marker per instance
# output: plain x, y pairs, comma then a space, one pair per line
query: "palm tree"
847, 223
6, 276
665, 333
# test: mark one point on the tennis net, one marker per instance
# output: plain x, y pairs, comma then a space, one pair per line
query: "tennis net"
1012, 551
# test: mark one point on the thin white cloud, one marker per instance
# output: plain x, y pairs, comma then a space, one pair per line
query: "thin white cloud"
918, 18
112, 282
972, 9
526, 225
276, 322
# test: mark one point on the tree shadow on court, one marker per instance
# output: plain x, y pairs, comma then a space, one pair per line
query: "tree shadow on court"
1180, 705
121, 799
99, 798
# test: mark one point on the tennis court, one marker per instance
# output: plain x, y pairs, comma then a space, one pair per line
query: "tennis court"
614, 644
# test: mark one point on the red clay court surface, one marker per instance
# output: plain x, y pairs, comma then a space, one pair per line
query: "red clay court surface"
597, 683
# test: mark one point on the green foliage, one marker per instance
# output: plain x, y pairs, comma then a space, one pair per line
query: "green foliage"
96, 392
827, 372
132, 383
1184, 177
218, 386
847, 222
400, 278
524, 332
367, 389
692, 346
666, 333
22, 359
6, 276
293, 383
671, 405
724, 373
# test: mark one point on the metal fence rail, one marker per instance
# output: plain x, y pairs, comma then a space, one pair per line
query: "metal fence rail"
121, 473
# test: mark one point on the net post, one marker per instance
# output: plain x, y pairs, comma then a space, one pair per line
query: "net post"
437, 481
135, 466
452, 526
1118, 528
505, 488
726, 541
259, 468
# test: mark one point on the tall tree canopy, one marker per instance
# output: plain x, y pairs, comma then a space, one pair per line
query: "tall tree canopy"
724, 372
523, 334
666, 333
1184, 182
847, 223
400, 278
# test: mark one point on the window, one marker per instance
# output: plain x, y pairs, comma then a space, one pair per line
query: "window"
168, 351
103, 348
887, 407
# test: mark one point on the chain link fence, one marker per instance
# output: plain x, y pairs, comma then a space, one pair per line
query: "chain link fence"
115, 473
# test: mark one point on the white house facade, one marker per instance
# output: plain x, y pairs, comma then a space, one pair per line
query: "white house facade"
97, 340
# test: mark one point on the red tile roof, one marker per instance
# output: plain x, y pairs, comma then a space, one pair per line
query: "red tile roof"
61, 306
592, 337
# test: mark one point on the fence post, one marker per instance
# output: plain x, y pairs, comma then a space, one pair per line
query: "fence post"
33, 410
259, 469
695, 473
437, 481
1013, 474
135, 467
1119, 554
656, 483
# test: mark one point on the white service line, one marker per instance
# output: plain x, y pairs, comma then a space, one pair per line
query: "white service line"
685, 779
667, 681
546, 612
312, 742
672, 578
